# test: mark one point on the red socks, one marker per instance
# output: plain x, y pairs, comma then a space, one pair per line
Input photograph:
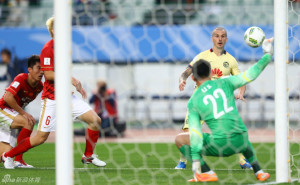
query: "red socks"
24, 144
91, 140
22, 147
22, 135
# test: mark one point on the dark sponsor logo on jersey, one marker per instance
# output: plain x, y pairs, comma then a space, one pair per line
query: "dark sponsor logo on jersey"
226, 64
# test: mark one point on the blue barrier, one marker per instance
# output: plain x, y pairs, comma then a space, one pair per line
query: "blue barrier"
141, 43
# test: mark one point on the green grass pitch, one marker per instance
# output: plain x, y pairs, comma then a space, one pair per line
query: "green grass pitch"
136, 163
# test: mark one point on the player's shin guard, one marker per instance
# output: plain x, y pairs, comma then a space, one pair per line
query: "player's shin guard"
25, 133
91, 140
186, 152
255, 166
20, 148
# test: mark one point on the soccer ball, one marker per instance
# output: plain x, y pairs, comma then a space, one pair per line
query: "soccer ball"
254, 36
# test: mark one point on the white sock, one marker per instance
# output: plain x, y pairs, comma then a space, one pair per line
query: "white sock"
210, 172
182, 158
260, 171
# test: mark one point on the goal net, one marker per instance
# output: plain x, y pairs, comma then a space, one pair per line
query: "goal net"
140, 48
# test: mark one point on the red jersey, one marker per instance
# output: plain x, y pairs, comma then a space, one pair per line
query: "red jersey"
47, 64
22, 91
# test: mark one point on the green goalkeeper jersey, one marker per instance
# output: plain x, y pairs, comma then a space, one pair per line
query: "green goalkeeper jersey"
214, 103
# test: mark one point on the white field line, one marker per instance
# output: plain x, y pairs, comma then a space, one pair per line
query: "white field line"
293, 180
104, 168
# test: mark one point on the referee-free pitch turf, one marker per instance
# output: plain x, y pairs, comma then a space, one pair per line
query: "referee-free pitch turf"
138, 163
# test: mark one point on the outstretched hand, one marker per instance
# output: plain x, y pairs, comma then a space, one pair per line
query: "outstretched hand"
267, 46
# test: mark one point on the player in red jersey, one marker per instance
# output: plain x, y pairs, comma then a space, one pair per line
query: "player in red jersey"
47, 122
20, 93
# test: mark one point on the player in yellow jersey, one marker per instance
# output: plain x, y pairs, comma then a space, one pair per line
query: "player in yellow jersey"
222, 64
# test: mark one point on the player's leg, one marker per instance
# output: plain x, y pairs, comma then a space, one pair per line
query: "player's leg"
83, 111
244, 163
21, 122
4, 147
23, 147
239, 143
182, 160
14, 121
39, 138
182, 142
5, 141
46, 125
6, 116
250, 155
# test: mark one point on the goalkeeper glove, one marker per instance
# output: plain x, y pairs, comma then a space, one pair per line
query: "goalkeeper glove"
267, 46
196, 167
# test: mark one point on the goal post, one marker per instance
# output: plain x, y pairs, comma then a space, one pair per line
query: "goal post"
281, 91
64, 125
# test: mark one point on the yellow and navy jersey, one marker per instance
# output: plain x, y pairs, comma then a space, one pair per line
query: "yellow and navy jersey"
223, 65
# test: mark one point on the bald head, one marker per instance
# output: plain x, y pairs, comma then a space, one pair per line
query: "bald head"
219, 29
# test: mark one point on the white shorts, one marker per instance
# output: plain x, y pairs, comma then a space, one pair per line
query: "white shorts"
47, 121
8, 135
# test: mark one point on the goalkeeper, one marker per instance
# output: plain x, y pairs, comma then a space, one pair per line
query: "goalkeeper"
214, 103
222, 64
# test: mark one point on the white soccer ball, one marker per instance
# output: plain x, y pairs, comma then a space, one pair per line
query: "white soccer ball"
254, 36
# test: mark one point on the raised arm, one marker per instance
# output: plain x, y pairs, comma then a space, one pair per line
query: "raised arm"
253, 72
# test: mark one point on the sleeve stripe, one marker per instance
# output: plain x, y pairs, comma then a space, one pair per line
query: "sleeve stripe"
11, 90
245, 77
198, 133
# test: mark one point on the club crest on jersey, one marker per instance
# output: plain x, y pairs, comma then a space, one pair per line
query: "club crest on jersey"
217, 72
226, 64
15, 84
46, 61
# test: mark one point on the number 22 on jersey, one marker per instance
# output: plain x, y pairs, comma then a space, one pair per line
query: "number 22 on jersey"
212, 99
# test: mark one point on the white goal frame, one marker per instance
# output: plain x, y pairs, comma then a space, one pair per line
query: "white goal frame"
64, 125
281, 91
